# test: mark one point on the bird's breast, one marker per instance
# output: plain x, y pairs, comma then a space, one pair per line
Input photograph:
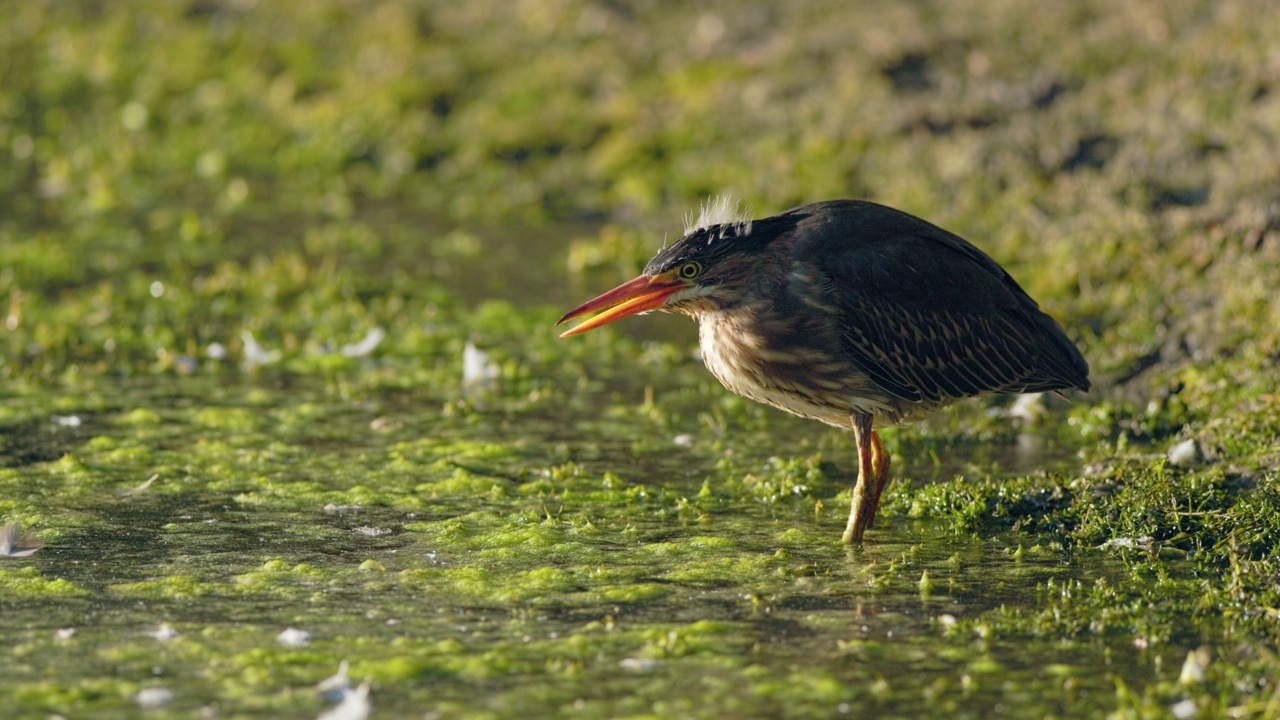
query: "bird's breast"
790, 367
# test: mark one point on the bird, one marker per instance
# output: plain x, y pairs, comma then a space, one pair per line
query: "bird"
851, 313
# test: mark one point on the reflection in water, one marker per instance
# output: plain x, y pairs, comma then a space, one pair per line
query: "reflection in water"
1030, 453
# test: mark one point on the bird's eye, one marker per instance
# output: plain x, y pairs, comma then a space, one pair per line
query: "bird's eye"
690, 270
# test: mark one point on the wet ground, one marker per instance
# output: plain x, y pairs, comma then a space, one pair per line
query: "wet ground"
471, 566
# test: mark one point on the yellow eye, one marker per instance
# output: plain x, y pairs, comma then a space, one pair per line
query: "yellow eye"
690, 270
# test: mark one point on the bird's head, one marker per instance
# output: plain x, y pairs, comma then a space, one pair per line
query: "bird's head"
708, 269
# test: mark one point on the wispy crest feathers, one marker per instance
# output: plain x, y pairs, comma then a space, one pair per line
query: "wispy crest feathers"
719, 210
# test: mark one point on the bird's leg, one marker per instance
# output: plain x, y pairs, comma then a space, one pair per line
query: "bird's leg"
880, 471
865, 495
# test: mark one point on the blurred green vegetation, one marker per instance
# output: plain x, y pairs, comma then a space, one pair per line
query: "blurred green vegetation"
1121, 161
244, 247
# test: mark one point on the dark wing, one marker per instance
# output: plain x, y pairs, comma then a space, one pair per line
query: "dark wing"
927, 315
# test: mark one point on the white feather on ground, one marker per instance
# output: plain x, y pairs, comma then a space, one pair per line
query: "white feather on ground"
355, 705
16, 544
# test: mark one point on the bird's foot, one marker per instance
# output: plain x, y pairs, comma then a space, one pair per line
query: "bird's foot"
861, 512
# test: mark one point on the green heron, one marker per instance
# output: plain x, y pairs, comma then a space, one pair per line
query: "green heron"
850, 313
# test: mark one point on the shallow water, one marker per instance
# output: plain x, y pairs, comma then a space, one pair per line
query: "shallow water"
479, 563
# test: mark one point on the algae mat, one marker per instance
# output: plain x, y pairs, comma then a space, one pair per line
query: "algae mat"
281, 387
480, 562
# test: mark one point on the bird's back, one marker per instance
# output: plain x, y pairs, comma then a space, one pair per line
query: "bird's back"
927, 315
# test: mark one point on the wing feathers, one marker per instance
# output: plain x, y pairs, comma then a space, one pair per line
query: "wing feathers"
927, 315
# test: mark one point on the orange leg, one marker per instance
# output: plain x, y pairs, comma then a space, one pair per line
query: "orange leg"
873, 475
880, 459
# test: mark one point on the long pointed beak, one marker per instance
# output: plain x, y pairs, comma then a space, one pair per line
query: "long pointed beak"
643, 293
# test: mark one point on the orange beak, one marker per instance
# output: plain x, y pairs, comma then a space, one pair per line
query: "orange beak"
637, 296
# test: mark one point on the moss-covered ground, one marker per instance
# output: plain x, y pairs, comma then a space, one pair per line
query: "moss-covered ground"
277, 285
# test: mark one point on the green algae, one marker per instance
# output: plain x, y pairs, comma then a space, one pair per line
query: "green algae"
177, 587
28, 583
236, 305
